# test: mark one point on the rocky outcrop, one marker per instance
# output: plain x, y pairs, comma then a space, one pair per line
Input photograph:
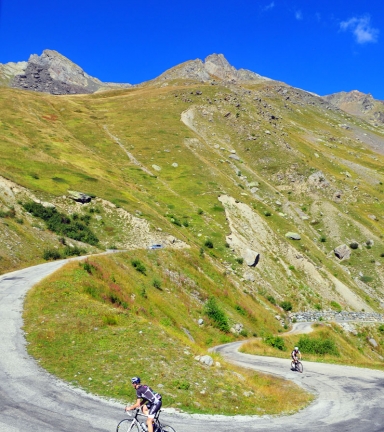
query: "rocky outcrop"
51, 73
214, 67
359, 104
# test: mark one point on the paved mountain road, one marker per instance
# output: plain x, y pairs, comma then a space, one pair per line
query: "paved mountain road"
348, 399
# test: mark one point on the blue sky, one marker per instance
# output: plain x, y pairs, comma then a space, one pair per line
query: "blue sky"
321, 46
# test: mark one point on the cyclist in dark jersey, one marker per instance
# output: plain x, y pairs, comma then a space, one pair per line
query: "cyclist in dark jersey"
148, 399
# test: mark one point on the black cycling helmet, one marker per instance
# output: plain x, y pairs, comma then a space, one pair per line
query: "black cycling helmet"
135, 380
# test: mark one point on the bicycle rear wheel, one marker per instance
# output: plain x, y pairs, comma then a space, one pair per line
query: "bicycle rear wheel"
293, 365
299, 367
127, 425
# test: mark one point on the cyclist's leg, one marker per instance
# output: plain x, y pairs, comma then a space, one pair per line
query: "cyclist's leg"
153, 409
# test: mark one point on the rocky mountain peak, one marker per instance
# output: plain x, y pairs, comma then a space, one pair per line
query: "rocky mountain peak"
214, 67
360, 104
53, 73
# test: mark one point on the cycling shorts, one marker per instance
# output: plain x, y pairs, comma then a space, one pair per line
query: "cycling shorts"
153, 408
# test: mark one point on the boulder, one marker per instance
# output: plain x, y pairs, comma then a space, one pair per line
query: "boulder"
206, 359
237, 328
79, 197
234, 156
251, 257
318, 179
342, 252
293, 236
372, 217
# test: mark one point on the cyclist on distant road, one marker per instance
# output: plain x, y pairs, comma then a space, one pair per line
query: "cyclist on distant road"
149, 400
296, 355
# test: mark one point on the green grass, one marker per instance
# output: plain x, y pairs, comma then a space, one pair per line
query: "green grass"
328, 344
91, 327
40, 133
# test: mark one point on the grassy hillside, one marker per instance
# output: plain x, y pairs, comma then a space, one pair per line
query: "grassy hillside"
98, 322
214, 173
329, 343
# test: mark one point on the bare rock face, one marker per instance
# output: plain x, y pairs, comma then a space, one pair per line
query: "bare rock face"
215, 67
193, 69
359, 104
53, 73
9, 70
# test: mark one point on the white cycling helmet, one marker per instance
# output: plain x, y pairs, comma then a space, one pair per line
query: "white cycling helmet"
296, 348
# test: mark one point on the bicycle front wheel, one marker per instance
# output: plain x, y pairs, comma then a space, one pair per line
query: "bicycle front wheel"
127, 425
299, 367
166, 428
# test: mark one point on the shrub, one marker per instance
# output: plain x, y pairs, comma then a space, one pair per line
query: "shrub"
275, 342
218, 208
240, 260
200, 211
213, 311
267, 213
286, 305
157, 283
318, 345
110, 320
366, 278
139, 266
87, 266
323, 239
208, 243
241, 310
291, 267
51, 254
336, 306
73, 251
381, 328
271, 299
176, 221
354, 245
61, 223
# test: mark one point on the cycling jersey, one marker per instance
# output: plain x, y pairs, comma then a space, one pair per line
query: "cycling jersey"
294, 354
150, 398
147, 394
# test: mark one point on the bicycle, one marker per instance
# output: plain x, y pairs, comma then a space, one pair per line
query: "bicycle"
134, 424
297, 366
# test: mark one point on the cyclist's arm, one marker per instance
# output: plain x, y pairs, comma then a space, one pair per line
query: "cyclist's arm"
135, 405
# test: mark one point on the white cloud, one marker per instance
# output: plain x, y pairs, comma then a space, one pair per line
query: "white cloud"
298, 15
269, 7
361, 28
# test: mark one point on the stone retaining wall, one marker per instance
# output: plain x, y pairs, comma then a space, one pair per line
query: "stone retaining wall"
336, 316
